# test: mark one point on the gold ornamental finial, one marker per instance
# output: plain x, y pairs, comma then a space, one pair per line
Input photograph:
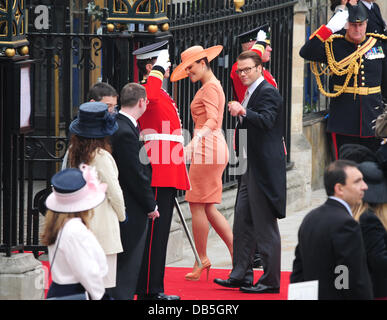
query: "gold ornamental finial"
10, 52
23, 50
238, 4
165, 27
110, 27
152, 28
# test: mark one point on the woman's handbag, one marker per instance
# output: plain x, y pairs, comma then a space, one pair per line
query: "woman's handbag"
381, 125
75, 296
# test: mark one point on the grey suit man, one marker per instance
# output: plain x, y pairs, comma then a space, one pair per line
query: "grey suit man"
261, 198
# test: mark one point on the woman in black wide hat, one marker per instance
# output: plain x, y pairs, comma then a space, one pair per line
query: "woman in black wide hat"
372, 216
90, 144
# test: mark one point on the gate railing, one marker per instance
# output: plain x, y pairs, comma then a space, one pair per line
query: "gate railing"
62, 77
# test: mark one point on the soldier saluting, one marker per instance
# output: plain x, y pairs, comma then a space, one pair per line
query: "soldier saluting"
357, 65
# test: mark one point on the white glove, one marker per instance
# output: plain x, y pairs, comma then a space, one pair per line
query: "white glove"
163, 60
338, 21
261, 36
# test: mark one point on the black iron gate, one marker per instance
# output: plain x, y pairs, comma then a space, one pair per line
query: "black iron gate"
65, 58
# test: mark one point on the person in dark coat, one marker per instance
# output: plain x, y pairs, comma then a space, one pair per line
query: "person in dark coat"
372, 216
376, 23
134, 176
330, 245
261, 198
358, 82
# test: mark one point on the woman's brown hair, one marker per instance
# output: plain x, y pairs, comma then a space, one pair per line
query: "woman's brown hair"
55, 221
83, 150
380, 211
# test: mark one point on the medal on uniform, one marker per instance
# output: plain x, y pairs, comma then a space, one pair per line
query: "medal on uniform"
375, 53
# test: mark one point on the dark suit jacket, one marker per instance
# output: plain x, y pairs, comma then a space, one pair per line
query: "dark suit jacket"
375, 242
375, 22
265, 149
135, 181
134, 176
329, 237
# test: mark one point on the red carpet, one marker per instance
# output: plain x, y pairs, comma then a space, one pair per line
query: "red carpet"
208, 290
203, 290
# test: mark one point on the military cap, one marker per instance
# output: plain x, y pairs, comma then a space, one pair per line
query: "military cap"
357, 13
251, 35
151, 50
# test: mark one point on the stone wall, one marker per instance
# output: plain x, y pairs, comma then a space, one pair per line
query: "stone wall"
315, 131
383, 7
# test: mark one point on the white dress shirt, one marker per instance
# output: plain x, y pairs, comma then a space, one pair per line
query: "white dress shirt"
367, 4
251, 89
249, 93
79, 258
134, 121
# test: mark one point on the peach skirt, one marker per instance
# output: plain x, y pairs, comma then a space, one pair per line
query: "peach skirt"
209, 160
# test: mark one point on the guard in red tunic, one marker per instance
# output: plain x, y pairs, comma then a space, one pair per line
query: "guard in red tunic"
257, 40
161, 131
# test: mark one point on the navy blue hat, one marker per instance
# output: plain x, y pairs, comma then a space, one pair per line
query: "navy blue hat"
376, 182
357, 13
251, 35
67, 181
75, 190
151, 50
94, 121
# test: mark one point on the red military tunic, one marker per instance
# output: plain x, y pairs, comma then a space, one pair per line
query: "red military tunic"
239, 87
162, 132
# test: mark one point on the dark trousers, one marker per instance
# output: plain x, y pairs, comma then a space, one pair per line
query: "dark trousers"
339, 139
129, 261
151, 279
255, 225
239, 178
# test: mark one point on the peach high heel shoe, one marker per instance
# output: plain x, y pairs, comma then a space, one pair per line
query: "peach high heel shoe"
197, 271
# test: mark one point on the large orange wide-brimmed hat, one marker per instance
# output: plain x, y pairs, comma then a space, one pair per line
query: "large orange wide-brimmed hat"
192, 54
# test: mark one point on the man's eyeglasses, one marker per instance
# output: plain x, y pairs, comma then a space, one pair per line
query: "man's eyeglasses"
245, 70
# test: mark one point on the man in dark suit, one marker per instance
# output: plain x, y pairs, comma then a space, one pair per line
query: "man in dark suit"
330, 245
376, 23
261, 198
135, 175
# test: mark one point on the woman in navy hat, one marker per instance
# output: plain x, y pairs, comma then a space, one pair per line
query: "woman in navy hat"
90, 144
372, 216
78, 263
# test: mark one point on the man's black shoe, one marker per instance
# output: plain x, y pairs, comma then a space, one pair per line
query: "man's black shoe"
157, 296
259, 288
232, 283
257, 262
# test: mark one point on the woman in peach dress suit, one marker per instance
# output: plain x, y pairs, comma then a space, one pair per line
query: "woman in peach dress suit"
207, 151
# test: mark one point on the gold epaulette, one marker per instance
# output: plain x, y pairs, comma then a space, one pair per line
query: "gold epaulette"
377, 35
348, 67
